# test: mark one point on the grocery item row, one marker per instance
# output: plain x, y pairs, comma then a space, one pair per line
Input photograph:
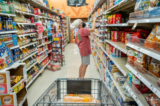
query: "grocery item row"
112, 75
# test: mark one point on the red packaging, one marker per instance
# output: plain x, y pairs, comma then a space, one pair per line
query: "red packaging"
112, 34
115, 36
123, 37
121, 54
111, 19
118, 35
32, 19
116, 18
36, 11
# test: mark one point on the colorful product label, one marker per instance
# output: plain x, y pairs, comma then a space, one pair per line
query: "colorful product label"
6, 100
3, 83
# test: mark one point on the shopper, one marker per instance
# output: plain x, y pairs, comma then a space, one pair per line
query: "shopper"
83, 42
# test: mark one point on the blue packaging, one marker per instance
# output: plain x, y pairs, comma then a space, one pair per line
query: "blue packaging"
14, 25
155, 12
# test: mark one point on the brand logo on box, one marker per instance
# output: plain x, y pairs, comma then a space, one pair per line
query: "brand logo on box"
1, 78
7, 100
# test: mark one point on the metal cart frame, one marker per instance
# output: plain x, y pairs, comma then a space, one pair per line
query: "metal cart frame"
53, 95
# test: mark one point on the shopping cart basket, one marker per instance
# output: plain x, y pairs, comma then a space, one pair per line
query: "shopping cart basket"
53, 96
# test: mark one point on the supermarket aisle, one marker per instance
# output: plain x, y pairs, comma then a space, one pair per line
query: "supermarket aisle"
70, 70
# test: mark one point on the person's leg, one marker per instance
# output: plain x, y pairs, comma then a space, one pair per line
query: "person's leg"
80, 70
85, 62
83, 72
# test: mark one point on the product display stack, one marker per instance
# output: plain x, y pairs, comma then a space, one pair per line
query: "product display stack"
27, 32
125, 47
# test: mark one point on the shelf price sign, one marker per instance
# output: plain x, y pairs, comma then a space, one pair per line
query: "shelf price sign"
18, 87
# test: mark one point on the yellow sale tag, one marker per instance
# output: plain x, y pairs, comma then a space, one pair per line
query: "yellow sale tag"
34, 55
31, 57
19, 87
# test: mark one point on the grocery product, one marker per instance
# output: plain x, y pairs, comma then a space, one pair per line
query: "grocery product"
81, 98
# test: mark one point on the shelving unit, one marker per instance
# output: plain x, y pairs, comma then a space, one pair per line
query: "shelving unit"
30, 29
147, 77
37, 75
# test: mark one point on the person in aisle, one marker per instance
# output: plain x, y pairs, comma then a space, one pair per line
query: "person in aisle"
83, 42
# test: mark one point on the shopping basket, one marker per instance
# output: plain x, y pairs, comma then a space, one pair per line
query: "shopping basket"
53, 96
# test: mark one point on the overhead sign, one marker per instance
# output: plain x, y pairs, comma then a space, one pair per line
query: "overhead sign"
76, 3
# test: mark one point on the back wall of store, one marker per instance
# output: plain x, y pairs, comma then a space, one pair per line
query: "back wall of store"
73, 12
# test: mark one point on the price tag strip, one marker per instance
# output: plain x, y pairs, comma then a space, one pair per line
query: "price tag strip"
148, 80
19, 86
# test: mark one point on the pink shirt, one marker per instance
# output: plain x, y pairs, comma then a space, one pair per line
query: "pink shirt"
83, 42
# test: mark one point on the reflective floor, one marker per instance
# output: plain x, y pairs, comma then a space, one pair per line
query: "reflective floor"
69, 70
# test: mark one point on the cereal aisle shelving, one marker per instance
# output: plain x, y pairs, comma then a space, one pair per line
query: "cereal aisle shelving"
125, 47
27, 34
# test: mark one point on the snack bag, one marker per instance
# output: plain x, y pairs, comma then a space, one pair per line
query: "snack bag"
149, 41
154, 67
157, 38
141, 62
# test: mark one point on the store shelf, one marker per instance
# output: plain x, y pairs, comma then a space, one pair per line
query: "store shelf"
149, 80
119, 88
120, 25
42, 52
7, 32
118, 61
49, 42
27, 45
13, 66
36, 4
27, 34
37, 75
42, 59
42, 44
26, 23
45, 36
8, 15
20, 83
21, 104
32, 65
100, 35
49, 51
147, 51
29, 56
97, 6
136, 94
123, 5
14, 47
144, 20
98, 68
119, 45
25, 13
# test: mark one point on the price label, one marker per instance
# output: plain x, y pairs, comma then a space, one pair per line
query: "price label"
31, 57
19, 87
22, 25
20, 38
133, 28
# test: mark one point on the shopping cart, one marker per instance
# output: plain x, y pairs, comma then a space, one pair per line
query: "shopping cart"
53, 96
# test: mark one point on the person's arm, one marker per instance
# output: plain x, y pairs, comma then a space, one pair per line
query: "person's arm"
93, 26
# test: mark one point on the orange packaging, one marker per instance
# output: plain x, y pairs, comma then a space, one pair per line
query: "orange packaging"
122, 36
111, 19
7, 100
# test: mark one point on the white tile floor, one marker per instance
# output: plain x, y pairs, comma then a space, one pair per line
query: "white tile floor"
70, 70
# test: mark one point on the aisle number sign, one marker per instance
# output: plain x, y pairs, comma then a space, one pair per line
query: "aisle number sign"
18, 87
